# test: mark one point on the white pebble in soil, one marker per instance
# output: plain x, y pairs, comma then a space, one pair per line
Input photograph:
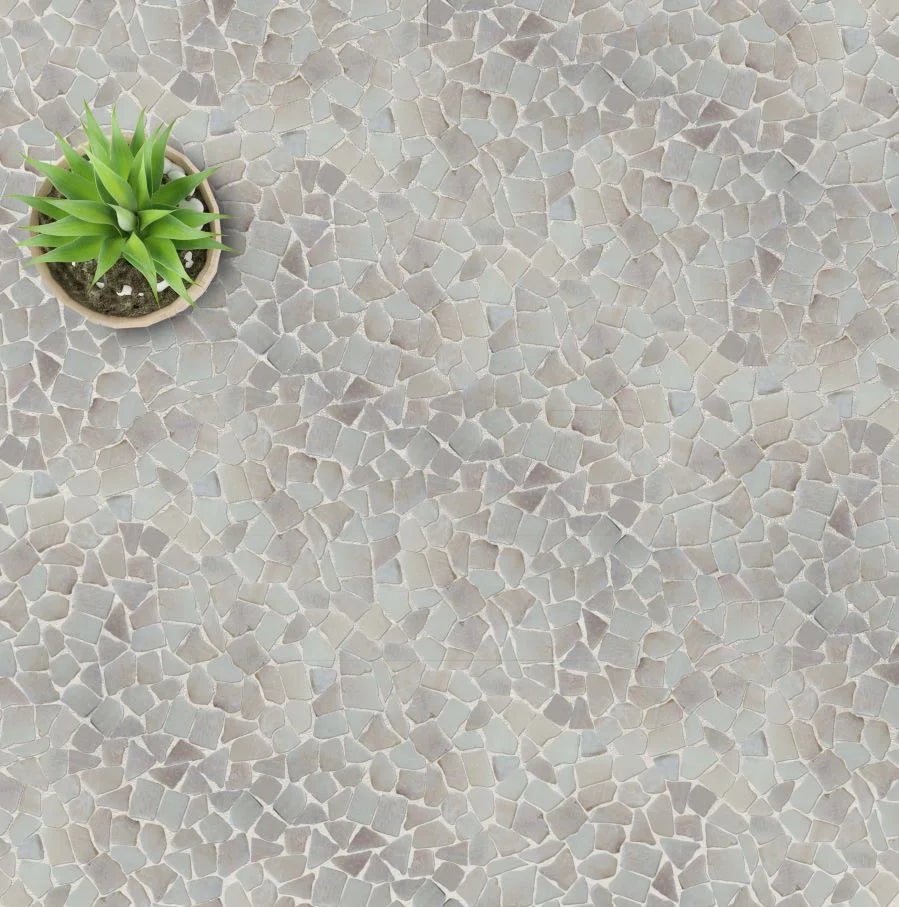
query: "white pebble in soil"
192, 204
125, 291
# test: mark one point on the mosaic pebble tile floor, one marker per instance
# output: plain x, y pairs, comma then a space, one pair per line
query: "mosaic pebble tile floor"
514, 523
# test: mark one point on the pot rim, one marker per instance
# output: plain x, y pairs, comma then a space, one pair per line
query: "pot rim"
197, 288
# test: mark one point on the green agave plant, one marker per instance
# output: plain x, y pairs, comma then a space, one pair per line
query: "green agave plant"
117, 204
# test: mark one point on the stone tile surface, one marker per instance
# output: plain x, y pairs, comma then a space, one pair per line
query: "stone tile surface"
514, 522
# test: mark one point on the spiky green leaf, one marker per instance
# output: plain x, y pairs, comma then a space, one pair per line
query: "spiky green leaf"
172, 228
126, 220
140, 187
73, 226
69, 184
175, 282
45, 242
200, 244
110, 252
151, 215
92, 212
99, 144
195, 218
120, 150
160, 142
117, 187
178, 190
83, 249
136, 254
139, 175
137, 159
77, 162
165, 255
138, 137
48, 206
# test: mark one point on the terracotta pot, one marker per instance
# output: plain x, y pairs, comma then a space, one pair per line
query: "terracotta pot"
196, 290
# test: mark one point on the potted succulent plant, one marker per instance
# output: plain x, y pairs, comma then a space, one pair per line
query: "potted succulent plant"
124, 230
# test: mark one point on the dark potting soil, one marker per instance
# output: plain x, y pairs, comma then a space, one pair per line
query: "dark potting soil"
110, 298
